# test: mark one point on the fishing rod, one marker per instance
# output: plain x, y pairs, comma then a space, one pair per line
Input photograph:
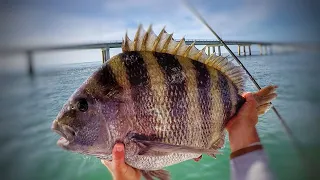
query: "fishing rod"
295, 141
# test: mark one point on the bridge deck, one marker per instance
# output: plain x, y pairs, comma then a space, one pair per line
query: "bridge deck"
105, 47
117, 44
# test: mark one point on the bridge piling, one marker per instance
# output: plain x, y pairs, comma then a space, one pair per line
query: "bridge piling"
239, 53
260, 47
266, 50
108, 53
219, 51
105, 54
249, 50
244, 50
104, 59
30, 63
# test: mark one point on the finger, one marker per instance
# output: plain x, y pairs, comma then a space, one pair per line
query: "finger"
232, 120
248, 96
118, 156
245, 94
250, 101
249, 106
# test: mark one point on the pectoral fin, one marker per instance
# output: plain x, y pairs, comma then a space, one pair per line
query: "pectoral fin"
153, 147
159, 174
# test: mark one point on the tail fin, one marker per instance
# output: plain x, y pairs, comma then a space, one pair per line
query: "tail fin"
264, 97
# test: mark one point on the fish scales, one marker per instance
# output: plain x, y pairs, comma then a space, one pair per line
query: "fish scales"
166, 101
193, 126
104, 83
118, 68
177, 72
223, 87
204, 86
180, 106
176, 102
159, 93
140, 88
233, 98
216, 113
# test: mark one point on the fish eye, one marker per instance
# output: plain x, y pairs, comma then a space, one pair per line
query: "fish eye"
82, 105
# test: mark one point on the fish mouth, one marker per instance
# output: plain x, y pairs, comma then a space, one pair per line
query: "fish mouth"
63, 142
66, 132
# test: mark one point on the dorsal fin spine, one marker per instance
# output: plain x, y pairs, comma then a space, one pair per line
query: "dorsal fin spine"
176, 49
209, 60
126, 46
164, 43
197, 57
156, 42
186, 53
145, 39
136, 38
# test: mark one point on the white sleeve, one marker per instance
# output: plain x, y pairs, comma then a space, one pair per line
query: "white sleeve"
251, 166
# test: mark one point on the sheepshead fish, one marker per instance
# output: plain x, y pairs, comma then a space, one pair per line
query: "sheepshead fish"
166, 101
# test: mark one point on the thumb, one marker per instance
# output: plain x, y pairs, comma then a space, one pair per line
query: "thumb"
250, 100
118, 156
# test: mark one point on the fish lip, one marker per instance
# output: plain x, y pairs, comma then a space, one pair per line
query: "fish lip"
67, 133
64, 143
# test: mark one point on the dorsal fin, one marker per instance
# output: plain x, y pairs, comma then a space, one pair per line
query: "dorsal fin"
164, 43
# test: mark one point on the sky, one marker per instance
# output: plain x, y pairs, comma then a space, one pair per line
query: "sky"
36, 23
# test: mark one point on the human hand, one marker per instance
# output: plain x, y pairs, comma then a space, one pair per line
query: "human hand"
118, 168
241, 127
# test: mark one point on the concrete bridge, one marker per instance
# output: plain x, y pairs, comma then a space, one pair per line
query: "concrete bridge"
212, 46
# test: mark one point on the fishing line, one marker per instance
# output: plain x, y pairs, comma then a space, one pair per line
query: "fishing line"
294, 140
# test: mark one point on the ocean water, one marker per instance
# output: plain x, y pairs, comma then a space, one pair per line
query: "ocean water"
28, 105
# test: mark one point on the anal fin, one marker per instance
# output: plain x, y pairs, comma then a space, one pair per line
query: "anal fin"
218, 144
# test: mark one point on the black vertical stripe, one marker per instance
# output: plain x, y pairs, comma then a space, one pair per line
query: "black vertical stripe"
204, 94
106, 79
223, 86
176, 87
140, 84
136, 69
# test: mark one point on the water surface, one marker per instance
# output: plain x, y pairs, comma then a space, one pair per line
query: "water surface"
28, 105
